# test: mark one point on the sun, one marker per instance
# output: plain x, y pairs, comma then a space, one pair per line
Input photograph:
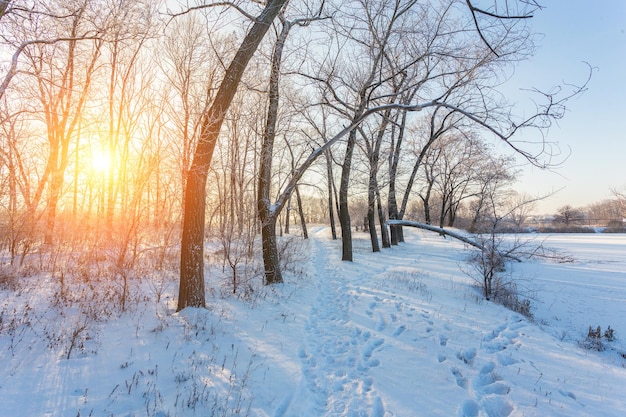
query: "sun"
100, 161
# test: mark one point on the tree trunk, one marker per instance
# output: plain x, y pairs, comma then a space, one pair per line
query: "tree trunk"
444, 209
305, 234
394, 159
426, 203
384, 234
191, 290
452, 214
287, 214
270, 251
331, 210
268, 214
392, 203
371, 209
56, 182
344, 214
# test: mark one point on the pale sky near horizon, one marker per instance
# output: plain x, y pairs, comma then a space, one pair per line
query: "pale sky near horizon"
592, 132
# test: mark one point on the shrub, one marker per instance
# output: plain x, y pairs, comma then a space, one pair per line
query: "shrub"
488, 268
595, 338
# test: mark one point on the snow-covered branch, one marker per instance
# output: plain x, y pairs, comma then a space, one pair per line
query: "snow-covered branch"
443, 231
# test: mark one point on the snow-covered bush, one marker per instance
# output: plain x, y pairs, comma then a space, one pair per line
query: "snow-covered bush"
488, 267
596, 339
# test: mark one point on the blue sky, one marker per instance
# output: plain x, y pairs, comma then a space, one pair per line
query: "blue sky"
592, 132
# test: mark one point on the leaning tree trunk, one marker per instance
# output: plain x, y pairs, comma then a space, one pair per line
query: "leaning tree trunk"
191, 289
305, 233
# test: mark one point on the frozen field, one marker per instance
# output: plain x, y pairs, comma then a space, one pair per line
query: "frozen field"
591, 291
398, 333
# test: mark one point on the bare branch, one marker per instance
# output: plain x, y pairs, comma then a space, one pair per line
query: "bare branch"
13, 68
476, 10
216, 4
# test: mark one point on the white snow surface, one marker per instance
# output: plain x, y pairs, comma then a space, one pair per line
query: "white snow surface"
402, 332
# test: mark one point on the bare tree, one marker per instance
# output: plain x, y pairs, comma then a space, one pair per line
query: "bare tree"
191, 289
192, 68
268, 212
620, 196
492, 176
521, 207
130, 27
568, 216
63, 90
356, 90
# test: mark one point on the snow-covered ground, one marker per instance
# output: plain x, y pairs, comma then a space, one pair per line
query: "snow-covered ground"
399, 333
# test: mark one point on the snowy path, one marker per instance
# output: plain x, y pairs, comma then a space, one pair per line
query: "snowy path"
337, 354
361, 340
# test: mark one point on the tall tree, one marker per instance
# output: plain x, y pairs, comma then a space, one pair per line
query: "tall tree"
63, 76
191, 288
268, 212
381, 21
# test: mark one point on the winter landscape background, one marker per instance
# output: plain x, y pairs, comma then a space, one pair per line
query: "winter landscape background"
199, 208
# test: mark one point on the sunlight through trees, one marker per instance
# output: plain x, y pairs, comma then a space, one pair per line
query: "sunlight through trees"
208, 132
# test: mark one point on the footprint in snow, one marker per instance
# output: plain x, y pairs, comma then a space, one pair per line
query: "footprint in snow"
490, 393
382, 324
469, 408
506, 360
302, 353
461, 381
496, 406
487, 382
467, 355
399, 331
370, 347
443, 340
500, 339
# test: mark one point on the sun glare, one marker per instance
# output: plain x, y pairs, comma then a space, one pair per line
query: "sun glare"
100, 161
